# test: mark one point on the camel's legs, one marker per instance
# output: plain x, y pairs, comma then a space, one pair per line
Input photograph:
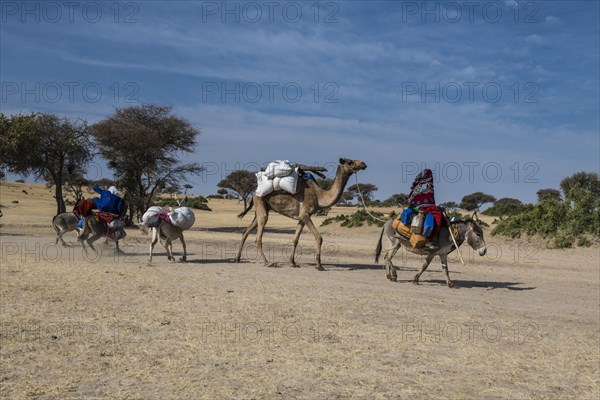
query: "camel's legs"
318, 240
423, 268
153, 242
389, 266
299, 229
444, 260
184, 258
262, 221
247, 232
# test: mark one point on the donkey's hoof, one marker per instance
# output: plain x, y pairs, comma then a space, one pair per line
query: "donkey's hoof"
183, 259
452, 285
415, 282
272, 265
294, 265
319, 268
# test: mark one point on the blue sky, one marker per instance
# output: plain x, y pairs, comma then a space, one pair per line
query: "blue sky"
494, 96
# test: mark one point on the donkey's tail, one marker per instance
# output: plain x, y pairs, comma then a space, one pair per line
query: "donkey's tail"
248, 208
379, 245
54, 225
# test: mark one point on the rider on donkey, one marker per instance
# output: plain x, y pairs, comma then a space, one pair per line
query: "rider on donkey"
422, 198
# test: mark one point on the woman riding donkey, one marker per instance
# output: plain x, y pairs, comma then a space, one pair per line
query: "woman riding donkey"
108, 202
422, 199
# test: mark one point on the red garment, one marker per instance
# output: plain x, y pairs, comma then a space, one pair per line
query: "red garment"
421, 191
106, 216
84, 208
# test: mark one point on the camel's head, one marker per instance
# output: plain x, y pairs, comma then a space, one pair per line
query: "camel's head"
352, 166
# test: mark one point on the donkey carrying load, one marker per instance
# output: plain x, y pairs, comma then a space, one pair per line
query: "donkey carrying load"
468, 230
167, 225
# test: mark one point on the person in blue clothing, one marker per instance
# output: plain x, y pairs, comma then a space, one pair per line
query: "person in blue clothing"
109, 200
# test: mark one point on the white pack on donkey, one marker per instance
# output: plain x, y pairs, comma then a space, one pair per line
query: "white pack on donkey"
167, 225
424, 229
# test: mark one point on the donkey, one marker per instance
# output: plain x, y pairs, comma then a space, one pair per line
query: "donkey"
63, 223
166, 232
468, 230
97, 229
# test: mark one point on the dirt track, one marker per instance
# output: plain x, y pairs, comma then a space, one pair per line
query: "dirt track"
523, 325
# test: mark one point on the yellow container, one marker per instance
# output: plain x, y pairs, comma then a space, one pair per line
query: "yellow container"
417, 240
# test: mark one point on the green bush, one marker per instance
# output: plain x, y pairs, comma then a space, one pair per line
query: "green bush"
561, 241
199, 203
564, 221
584, 242
543, 219
357, 219
507, 209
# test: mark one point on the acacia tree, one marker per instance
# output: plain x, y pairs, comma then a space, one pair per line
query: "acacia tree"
450, 206
76, 184
240, 182
398, 199
51, 148
473, 201
548, 194
588, 182
143, 145
366, 189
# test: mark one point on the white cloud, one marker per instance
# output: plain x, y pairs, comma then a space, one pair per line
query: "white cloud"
535, 39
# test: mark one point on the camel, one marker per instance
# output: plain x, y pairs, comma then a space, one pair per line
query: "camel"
468, 230
167, 232
309, 199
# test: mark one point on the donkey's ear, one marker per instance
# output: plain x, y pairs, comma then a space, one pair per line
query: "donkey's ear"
342, 161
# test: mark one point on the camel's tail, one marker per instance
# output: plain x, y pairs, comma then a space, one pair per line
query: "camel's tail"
243, 213
379, 246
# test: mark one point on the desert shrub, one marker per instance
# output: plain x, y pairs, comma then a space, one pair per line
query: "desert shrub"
564, 221
357, 219
507, 209
199, 203
562, 241
584, 242
20, 181
543, 219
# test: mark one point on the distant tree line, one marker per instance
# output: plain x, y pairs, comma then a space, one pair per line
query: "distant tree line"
143, 146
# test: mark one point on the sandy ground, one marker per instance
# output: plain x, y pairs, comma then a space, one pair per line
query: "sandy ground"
524, 323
